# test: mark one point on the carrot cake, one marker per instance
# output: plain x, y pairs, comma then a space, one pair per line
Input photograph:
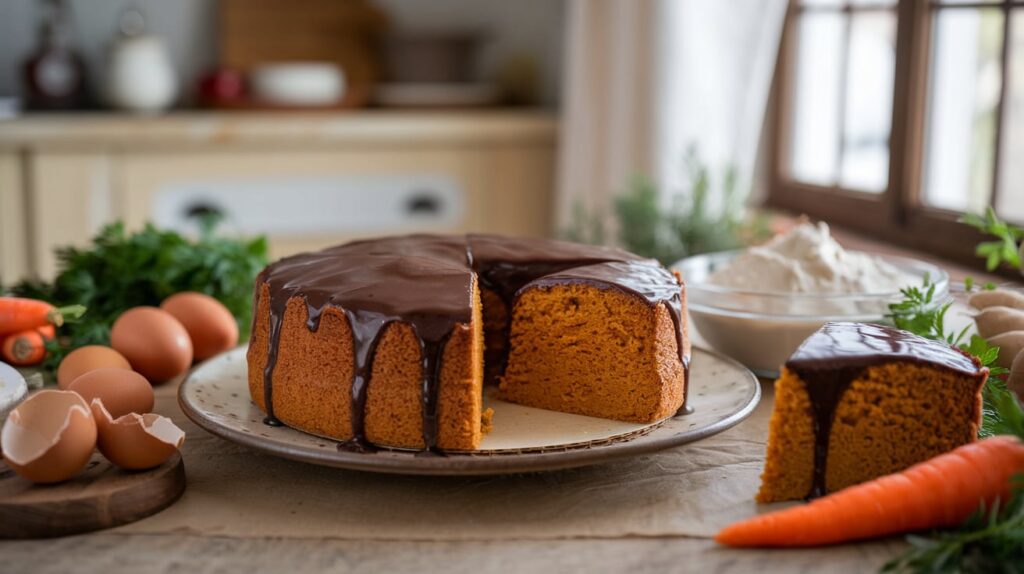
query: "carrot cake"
857, 401
388, 342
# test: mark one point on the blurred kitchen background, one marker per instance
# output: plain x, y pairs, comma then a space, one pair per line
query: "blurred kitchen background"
667, 126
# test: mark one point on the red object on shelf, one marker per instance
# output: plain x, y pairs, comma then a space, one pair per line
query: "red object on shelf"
220, 86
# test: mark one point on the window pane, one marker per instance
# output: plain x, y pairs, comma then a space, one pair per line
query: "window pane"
869, 86
1010, 202
964, 95
815, 153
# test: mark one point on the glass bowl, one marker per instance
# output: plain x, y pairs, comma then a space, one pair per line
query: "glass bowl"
762, 329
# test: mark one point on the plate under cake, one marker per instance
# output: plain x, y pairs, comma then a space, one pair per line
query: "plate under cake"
388, 342
857, 401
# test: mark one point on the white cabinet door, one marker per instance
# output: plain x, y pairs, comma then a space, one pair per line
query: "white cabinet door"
72, 195
305, 199
14, 242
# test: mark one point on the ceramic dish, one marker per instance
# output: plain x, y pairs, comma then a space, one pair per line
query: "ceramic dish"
216, 397
13, 390
762, 329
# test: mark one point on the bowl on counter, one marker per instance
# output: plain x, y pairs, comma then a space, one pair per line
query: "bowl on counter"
762, 329
298, 84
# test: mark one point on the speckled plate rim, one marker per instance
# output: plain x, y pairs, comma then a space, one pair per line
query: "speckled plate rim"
669, 433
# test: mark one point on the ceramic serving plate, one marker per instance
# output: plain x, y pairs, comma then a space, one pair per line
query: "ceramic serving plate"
723, 393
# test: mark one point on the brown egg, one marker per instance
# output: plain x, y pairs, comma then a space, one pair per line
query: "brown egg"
49, 437
88, 358
134, 441
122, 391
153, 341
210, 325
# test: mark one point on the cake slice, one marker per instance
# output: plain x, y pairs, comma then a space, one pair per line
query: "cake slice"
857, 401
605, 340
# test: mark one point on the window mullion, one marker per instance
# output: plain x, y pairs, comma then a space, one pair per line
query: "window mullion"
1004, 64
844, 78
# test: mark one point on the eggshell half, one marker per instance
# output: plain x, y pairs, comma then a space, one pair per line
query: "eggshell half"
88, 358
210, 324
154, 342
134, 441
49, 437
121, 391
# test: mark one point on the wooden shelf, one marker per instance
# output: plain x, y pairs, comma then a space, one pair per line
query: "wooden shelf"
109, 131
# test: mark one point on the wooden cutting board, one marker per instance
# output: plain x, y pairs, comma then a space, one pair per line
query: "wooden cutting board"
102, 496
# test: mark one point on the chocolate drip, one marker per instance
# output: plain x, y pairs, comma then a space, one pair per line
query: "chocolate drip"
367, 329
834, 356
274, 340
433, 353
426, 282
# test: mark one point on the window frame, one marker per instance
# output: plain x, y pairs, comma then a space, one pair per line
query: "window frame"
897, 214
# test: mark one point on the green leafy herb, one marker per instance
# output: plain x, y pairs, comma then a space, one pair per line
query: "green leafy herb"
990, 541
643, 222
922, 315
1005, 249
122, 270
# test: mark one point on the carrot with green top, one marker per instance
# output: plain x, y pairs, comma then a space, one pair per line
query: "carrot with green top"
20, 314
939, 492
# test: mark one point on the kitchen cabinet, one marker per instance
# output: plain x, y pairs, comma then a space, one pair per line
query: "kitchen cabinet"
304, 180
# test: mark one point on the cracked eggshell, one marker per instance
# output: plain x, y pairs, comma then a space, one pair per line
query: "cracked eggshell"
49, 437
122, 391
134, 441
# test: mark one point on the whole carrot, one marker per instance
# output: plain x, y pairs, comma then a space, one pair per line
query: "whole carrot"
20, 314
939, 492
27, 347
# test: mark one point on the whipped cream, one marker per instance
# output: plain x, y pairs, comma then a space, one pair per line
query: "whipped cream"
808, 260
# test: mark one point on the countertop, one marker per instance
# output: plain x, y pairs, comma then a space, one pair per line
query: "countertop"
279, 129
215, 526
230, 521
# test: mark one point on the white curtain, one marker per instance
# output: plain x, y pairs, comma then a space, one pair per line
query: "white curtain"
607, 131
645, 80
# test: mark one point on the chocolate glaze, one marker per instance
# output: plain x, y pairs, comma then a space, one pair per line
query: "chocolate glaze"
834, 356
426, 281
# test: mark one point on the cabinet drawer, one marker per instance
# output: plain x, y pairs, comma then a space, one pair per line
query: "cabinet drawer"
303, 200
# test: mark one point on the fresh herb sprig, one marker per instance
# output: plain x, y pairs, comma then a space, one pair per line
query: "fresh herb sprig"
641, 221
919, 313
121, 270
992, 540
1005, 249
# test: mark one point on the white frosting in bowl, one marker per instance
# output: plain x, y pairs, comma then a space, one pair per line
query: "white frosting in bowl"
808, 260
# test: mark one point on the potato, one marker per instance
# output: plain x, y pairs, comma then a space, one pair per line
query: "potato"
1010, 345
998, 297
1015, 382
998, 319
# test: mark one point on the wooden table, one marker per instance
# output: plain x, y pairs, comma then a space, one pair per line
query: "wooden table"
184, 549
